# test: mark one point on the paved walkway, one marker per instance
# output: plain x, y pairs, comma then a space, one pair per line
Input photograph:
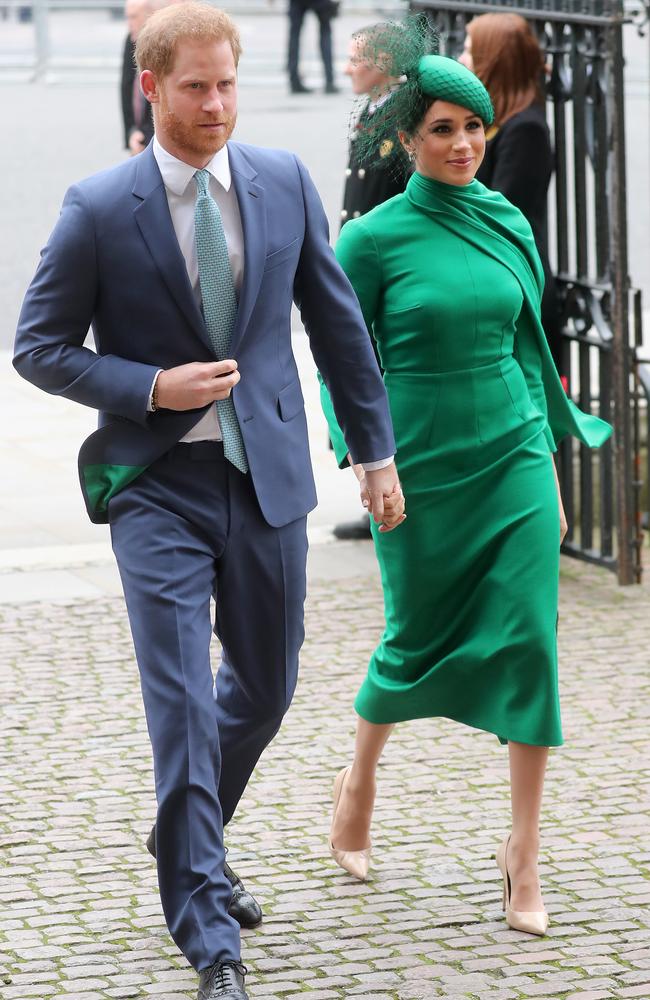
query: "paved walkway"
79, 912
81, 919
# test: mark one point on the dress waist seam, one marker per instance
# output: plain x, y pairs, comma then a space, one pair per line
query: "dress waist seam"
501, 366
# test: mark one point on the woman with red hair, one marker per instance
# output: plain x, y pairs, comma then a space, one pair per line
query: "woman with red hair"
503, 51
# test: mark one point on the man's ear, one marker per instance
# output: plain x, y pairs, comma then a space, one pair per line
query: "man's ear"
149, 86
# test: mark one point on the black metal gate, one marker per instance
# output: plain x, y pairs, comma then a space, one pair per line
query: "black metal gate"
601, 329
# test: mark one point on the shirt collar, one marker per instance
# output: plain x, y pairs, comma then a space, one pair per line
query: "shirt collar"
177, 174
375, 105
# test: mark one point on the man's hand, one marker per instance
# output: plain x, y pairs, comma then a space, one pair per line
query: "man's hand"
382, 495
136, 142
188, 387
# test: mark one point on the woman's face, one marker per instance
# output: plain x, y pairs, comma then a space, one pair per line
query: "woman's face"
466, 55
448, 145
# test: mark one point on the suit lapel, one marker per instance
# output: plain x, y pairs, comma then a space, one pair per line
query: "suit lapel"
252, 210
155, 224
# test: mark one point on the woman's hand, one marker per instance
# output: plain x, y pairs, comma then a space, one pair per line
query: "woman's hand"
564, 527
393, 510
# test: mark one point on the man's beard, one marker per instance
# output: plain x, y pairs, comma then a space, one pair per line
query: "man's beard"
193, 138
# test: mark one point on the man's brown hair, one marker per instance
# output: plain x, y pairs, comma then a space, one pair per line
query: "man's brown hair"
508, 60
157, 43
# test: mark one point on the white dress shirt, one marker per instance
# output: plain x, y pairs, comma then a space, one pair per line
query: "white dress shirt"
180, 188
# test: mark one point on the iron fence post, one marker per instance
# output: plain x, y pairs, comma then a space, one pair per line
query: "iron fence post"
622, 354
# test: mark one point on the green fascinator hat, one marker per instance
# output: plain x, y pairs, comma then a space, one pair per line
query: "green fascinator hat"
448, 80
421, 76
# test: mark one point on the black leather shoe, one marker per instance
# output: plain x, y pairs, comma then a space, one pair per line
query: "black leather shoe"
331, 88
353, 530
223, 980
298, 87
243, 908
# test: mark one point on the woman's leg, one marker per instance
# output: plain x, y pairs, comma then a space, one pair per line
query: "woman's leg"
351, 829
527, 769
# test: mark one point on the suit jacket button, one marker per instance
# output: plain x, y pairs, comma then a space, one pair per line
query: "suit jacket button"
348, 172
344, 213
361, 173
355, 215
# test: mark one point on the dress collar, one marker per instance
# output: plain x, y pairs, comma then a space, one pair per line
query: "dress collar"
177, 174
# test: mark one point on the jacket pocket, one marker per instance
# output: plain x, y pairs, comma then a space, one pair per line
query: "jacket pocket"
290, 401
278, 257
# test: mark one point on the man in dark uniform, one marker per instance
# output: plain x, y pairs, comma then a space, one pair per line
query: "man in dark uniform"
369, 184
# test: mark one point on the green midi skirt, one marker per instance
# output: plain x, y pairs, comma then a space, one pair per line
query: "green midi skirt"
471, 577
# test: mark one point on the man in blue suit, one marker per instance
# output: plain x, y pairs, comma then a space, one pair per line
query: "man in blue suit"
185, 260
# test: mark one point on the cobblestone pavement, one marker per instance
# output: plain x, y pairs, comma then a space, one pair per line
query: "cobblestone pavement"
80, 916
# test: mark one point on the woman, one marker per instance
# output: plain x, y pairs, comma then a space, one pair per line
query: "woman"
449, 282
503, 51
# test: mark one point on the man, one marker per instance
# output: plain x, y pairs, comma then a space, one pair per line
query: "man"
369, 67
325, 11
136, 110
204, 500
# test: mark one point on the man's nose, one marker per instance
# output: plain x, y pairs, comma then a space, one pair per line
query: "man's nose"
213, 101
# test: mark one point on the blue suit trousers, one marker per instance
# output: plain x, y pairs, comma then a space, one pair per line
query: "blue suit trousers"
188, 529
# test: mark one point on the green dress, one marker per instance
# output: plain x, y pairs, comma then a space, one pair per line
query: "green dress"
449, 283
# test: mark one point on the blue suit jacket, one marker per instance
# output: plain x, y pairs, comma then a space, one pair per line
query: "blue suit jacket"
113, 262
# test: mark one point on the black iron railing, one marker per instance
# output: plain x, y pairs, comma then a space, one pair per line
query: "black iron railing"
583, 43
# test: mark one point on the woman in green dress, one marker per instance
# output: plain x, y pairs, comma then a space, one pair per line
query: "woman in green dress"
450, 283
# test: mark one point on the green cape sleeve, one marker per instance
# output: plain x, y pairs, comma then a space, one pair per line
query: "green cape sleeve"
547, 392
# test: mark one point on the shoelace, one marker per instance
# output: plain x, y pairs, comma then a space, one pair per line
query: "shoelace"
220, 977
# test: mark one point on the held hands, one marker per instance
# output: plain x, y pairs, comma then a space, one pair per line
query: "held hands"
381, 495
188, 387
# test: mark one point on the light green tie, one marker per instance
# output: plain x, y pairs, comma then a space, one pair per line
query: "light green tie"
219, 304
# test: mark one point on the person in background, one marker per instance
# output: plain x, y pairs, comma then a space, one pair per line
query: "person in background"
136, 110
367, 185
372, 79
504, 52
325, 11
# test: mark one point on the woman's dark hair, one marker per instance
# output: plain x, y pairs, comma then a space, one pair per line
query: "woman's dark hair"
508, 60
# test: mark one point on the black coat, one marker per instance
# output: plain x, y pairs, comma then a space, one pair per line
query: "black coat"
145, 124
369, 185
519, 163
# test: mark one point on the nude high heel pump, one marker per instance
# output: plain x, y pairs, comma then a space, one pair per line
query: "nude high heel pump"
530, 922
356, 863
